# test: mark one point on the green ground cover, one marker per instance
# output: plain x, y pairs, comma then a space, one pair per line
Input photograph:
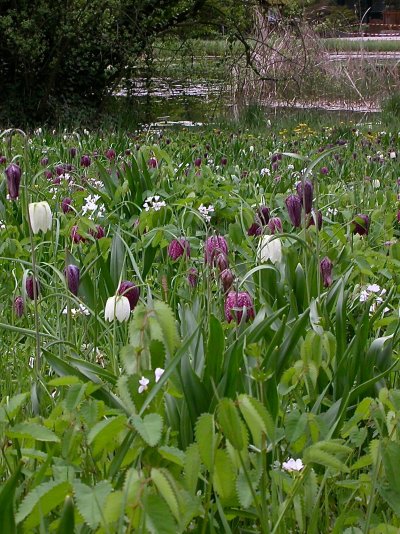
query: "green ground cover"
212, 342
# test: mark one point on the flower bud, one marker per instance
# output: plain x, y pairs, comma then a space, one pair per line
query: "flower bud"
197, 162
72, 152
293, 204
224, 161
66, 205
13, 174
178, 248
40, 216
19, 306
192, 277
130, 291
153, 163
29, 286
326, 271
3, 160
117, 307
236, 304
85, 161
72, 275
214, 245
305, 192
275, 225
75, 235
227, 279
263, 215
44, 161
360, 224
222, 261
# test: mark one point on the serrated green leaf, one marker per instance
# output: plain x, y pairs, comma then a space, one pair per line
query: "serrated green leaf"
224, 475
192, 467
159, 519
114, 507
316, 455
229, 420
149, 428
163, 483
166, 320
67, 519
206, 439
257, 419
32, 431
90, 501
104, 432
40, 501
391, 461
172, 454
243, 489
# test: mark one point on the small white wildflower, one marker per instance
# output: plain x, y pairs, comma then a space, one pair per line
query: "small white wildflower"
158, 373
293, 465
290, 167
376, 184
364, 295
251, 148
332, 211
143, 384
2, 225
265, 171
373, 288
31, 362
205, 211
392, 155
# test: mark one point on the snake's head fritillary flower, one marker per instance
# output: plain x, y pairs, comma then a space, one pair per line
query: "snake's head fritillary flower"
153, 163
98, 233
326, 271
222, 261
130, 291
315, 215
255, 229
13, 174
30, 287
85, 161
293, 204
3, 160
19, 306
324, 170
193, 277
214, 246
44, 161
360, 224
66, 205
197, 162
224, 161
40, 216
270, 248
275, 225
72, 276
72, 152
76, 236
227, 279
117, 307
305, 192
179, 247
110, 154
237, 303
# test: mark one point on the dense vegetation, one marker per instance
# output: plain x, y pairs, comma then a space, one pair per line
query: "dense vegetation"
254, 385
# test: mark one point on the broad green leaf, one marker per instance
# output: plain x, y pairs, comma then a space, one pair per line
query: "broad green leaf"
257, 418
7, 494
315, 454
149, 428
230, 422
9, 410
206, 439
172, 454
32, 431
192, 468
40, 501
391, 461
162, 481
90, 501
105, 432
243, 489
67, 520
224, 475
159, 519
215, 350
166, 320
114, 507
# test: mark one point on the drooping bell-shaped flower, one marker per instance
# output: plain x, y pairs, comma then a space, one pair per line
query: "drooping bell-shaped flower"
178, 248
275, 225
85, 161
360, 224
110, 154
75, 235
270, 248
293, 204
66, 205
13, 174
153, 163
130, 291
227, 278
40, 216
193, 277
326, 271
315, 215
72, 276
98, 233
237, 303
30, 287
305, 192
117, 307
213, 246
19, 306
222, 261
